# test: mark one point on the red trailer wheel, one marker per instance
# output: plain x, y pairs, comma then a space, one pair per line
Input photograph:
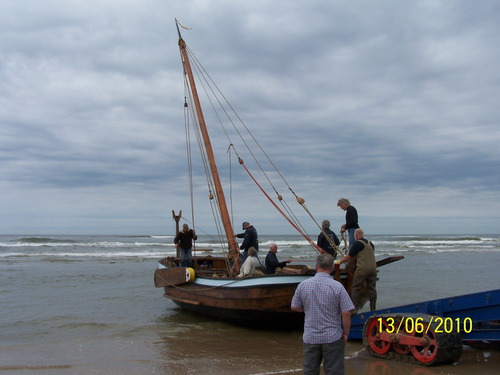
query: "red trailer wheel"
425, 353
415, 341
377, 345
398, 348
401, 349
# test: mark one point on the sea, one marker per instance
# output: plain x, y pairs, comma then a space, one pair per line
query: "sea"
84, 304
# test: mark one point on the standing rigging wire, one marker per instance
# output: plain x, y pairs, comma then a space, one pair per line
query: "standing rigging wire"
313, 245
213, 199
189, 155
230, 182
204, 83
217, 94
190, 165
209, 181
208, 235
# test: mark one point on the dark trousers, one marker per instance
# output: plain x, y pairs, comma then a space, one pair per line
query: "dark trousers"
371, 280
186, 257
331, 354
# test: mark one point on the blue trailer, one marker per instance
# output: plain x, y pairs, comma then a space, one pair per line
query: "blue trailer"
430, 332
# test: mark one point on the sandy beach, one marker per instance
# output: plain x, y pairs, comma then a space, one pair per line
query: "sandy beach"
228, 350
251, 352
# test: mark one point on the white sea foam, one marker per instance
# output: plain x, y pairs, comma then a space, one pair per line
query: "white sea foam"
295, 247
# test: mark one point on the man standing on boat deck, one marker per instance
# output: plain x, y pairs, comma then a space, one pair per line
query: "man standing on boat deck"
323, 242
366, 269
272, 261
327, 307
184, 240
351, 219
250, 239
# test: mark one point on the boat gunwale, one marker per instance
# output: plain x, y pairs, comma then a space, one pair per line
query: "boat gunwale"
253, 281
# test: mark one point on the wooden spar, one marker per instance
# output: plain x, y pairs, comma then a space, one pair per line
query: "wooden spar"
226, 221
177, 218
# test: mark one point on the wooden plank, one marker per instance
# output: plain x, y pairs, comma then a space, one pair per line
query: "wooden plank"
171, 276
388, 260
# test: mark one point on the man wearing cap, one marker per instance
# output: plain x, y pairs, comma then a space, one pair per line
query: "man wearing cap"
250, 239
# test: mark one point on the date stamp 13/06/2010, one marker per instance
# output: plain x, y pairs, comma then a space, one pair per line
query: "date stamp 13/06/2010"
418, 325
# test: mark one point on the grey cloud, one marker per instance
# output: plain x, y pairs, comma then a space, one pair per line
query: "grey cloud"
373, 100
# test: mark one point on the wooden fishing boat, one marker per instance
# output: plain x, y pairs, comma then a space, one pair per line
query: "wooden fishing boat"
211, 286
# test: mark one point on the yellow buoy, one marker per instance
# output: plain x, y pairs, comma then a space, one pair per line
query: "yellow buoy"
190, 275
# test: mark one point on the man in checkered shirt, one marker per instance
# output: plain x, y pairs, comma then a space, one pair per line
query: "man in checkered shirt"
327, 307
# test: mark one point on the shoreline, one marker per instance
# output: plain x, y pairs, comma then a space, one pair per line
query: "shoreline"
276, 360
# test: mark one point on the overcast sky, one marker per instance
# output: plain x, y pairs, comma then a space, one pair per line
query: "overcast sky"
392, 104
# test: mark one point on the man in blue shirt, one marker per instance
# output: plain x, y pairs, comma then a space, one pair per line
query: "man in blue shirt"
327, 307
272, 261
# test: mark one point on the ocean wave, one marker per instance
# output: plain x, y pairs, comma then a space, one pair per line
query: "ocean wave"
107, 255
66, 243
42, 240
440, 238
150, 236
69, 248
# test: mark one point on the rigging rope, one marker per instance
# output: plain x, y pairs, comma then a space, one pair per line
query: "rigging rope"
207, 81
210, 83
209, 86
230, 181
209, 180
190, 164
314, 246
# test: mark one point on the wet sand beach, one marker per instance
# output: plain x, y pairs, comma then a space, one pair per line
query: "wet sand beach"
211, 347
262, 352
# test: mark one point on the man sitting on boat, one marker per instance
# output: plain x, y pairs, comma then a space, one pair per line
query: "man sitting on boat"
250, 239
272, 261
251, 264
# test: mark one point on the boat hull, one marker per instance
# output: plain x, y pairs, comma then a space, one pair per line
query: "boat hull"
259, 302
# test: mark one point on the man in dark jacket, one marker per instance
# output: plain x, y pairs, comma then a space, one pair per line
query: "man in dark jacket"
184, 241
250, 239
272, 261
324, 243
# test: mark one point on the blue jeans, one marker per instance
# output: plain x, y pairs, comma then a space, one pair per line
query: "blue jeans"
331, 354
350, 233
186, 257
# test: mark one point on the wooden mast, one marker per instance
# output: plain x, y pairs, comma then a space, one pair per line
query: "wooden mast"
226, 221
